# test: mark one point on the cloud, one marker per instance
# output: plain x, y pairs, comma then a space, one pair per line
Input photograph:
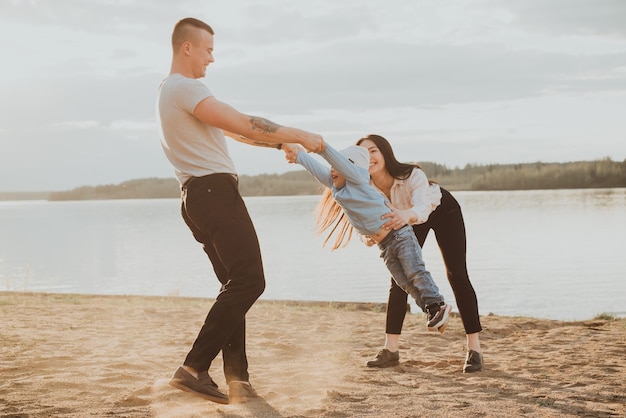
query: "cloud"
59, 99
571, 17
453, 82
345, 75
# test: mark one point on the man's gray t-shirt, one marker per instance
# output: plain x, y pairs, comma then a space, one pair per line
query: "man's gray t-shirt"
194, 148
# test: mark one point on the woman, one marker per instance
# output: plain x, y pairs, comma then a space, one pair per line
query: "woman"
425, 206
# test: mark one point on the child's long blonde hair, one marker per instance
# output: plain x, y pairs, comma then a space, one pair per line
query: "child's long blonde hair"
331, 216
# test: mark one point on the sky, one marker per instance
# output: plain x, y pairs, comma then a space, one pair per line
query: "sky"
454, 82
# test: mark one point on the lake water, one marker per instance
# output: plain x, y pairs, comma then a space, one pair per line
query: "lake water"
556, 254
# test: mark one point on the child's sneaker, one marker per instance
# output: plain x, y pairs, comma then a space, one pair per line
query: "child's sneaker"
438, 316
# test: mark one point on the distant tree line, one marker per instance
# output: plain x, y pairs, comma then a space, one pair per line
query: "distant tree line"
291, 183
4, 196
149, 188
530, 176
573, 175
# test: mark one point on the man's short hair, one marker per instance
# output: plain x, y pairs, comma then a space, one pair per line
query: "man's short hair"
182, 30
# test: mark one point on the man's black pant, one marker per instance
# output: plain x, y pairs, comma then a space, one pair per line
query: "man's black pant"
218, 218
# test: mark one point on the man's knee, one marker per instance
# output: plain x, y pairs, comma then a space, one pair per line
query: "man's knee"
258, 287
249, 289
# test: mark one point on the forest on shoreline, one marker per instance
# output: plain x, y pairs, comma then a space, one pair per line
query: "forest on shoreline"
603, 173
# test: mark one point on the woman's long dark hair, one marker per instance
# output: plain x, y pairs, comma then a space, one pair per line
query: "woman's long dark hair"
397, 169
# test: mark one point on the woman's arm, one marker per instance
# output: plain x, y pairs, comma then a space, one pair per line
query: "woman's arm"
414, 192
418, 186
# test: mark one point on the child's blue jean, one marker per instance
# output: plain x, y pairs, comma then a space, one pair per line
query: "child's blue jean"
403, 256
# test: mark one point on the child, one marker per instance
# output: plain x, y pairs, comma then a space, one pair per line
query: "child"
348, 183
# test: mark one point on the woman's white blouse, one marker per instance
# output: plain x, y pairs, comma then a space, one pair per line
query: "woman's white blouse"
417, 194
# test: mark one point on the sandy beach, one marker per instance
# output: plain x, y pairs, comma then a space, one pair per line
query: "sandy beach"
75, 355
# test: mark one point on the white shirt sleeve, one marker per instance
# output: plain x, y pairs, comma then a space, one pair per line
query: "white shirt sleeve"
417, 194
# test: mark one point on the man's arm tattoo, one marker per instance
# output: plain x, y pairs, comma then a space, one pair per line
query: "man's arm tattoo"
263, 125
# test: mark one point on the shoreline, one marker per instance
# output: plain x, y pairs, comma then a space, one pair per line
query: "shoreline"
80, 355
350, 305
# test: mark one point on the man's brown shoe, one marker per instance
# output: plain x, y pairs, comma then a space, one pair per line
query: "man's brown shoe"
205, 379
207, 389
385, 358
240, 391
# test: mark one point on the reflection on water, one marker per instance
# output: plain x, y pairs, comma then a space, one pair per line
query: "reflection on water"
549, 253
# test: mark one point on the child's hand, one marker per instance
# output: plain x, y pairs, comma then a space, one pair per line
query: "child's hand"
291, 152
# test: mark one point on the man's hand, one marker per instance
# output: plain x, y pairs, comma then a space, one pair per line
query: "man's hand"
313, 142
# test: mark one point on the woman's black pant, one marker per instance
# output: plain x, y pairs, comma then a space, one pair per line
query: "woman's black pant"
447, 223
218, 218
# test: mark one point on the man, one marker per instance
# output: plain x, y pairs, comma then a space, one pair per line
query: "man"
192, 123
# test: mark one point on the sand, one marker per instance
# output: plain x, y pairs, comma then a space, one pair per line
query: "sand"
112, 356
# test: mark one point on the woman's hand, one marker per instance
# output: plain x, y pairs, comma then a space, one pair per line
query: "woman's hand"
396, 219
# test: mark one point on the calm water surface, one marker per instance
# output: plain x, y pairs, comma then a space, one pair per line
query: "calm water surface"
548, 254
